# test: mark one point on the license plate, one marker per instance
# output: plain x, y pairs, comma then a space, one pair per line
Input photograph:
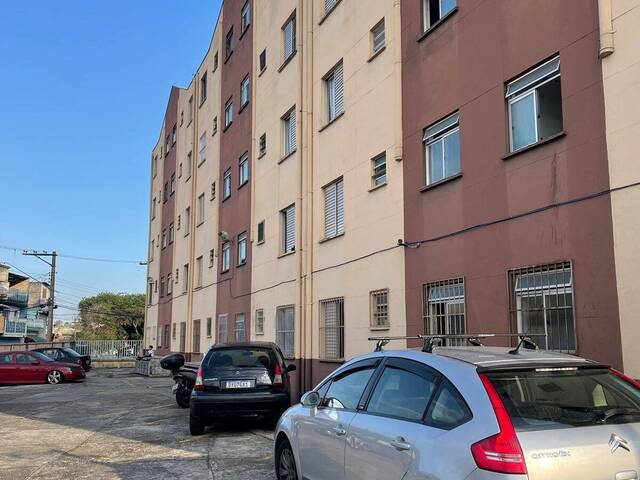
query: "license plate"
238, 384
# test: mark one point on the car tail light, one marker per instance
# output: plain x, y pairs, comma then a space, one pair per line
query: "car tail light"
277, 376
626, 378
199, 385
501, 452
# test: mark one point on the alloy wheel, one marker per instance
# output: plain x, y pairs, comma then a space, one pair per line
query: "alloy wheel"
54, 377
287, 465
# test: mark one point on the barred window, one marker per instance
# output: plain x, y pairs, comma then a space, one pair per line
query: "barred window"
183, 334
443, 308
221, 328
239, 328
380, 308
196, 337
208, 327
285, 330
541, 303
259, 322
332, 328
173, 331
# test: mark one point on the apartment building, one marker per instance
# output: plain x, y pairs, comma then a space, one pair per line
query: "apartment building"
619, 47
338, 170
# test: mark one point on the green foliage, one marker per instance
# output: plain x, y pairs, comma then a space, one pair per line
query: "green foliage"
111, 316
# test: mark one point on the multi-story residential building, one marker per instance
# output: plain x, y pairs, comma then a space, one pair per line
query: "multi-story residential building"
21, 307
619, 49
340, 169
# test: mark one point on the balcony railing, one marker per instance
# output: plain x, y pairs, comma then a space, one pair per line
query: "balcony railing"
15, 329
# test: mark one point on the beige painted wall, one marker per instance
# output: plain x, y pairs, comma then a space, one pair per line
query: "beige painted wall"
621, 74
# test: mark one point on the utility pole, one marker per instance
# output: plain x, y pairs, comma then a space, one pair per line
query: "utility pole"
52, 285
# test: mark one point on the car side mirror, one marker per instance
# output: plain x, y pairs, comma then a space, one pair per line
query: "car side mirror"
291, 367
310, 399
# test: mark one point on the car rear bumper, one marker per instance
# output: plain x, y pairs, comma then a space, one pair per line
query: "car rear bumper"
207, 406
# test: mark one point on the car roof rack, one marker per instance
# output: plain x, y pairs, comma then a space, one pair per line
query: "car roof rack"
472, 338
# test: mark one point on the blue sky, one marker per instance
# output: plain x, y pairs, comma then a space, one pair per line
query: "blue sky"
84, 87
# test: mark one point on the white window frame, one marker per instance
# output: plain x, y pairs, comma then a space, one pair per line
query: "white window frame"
426, 20
333, 208
199, 271
242, 248
222, 334
288, 219
201, 207
285, 334
378, 309
244, 91
225, 257
289, 132
228, 113
378, 37
339, 327
202, 148
289, 38
226, 184
259, 321
378, 176
245, 16
187, 221
334, 92
243, 169
240, 329
436, 133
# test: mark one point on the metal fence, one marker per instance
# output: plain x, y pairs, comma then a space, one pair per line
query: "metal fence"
109, 349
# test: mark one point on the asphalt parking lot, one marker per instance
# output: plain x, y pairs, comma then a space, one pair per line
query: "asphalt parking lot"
117, 424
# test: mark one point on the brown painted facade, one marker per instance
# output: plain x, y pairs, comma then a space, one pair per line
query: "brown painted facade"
168, 210
234, 286
464, 64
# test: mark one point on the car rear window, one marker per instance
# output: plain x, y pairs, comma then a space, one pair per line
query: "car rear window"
239, 357
42, 357
546, 398
71, 352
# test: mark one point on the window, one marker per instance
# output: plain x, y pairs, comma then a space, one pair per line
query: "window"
245, 16
226, 254
243, 169
402, 393
203, 88
435, 10
212, 195
185, 277
195, 348
214, 128
162, 286
332, 328
153, 208
346, 390
226, 184
190, 110
379, 308
289, 132
442, 149
242, 248
152, 250
183, 335
261, 232
379, 170
377, 37
288, 218
173, 333
200, 209
259, 322
448, 409
239, 328
541, 303
262, 145
329, 4
244, 91
189, 165
212, 258
221, 329
167, 145
263, 60
187, 221
174, 135
165, 192
208, 327
228, 43
228, 113
215, 61
181, 117
289, 38
199, 272
169, 284
202, 148
535, 105
333, 209
179, 222
170, 234
172, 184
443, 308
334, 87
149, 293
154, 166
164, 238
285, 330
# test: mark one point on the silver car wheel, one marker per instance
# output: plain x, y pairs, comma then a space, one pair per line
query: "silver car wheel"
287, 465
54, 377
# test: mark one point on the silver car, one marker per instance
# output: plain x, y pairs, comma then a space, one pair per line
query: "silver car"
473, 413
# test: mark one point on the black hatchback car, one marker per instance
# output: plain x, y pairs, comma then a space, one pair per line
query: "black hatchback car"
240, 379
66, 355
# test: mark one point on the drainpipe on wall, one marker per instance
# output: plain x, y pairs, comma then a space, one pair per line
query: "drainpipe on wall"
299, 223
398, 74
606, 28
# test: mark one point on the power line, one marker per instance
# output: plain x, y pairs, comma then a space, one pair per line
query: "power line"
77, 257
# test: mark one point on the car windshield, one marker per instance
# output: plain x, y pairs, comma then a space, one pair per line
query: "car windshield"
71, 352
239, 357
548, 398
42, 357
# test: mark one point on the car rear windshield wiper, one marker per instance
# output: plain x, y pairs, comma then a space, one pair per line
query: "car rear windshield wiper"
617, 412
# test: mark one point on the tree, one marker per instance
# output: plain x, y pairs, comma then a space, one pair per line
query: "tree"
111, 316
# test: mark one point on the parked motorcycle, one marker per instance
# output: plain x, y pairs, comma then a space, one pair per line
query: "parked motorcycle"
184, 376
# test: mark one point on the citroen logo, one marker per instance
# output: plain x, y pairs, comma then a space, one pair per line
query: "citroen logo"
616, 442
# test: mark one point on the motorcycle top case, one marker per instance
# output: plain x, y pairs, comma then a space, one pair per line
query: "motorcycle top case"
172, 362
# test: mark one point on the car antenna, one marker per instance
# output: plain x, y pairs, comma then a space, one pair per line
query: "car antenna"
525, 342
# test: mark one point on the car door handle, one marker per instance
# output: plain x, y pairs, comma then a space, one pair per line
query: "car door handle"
339, 431
400, 444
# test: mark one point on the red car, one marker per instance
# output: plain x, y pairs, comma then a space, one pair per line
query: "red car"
34, 367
